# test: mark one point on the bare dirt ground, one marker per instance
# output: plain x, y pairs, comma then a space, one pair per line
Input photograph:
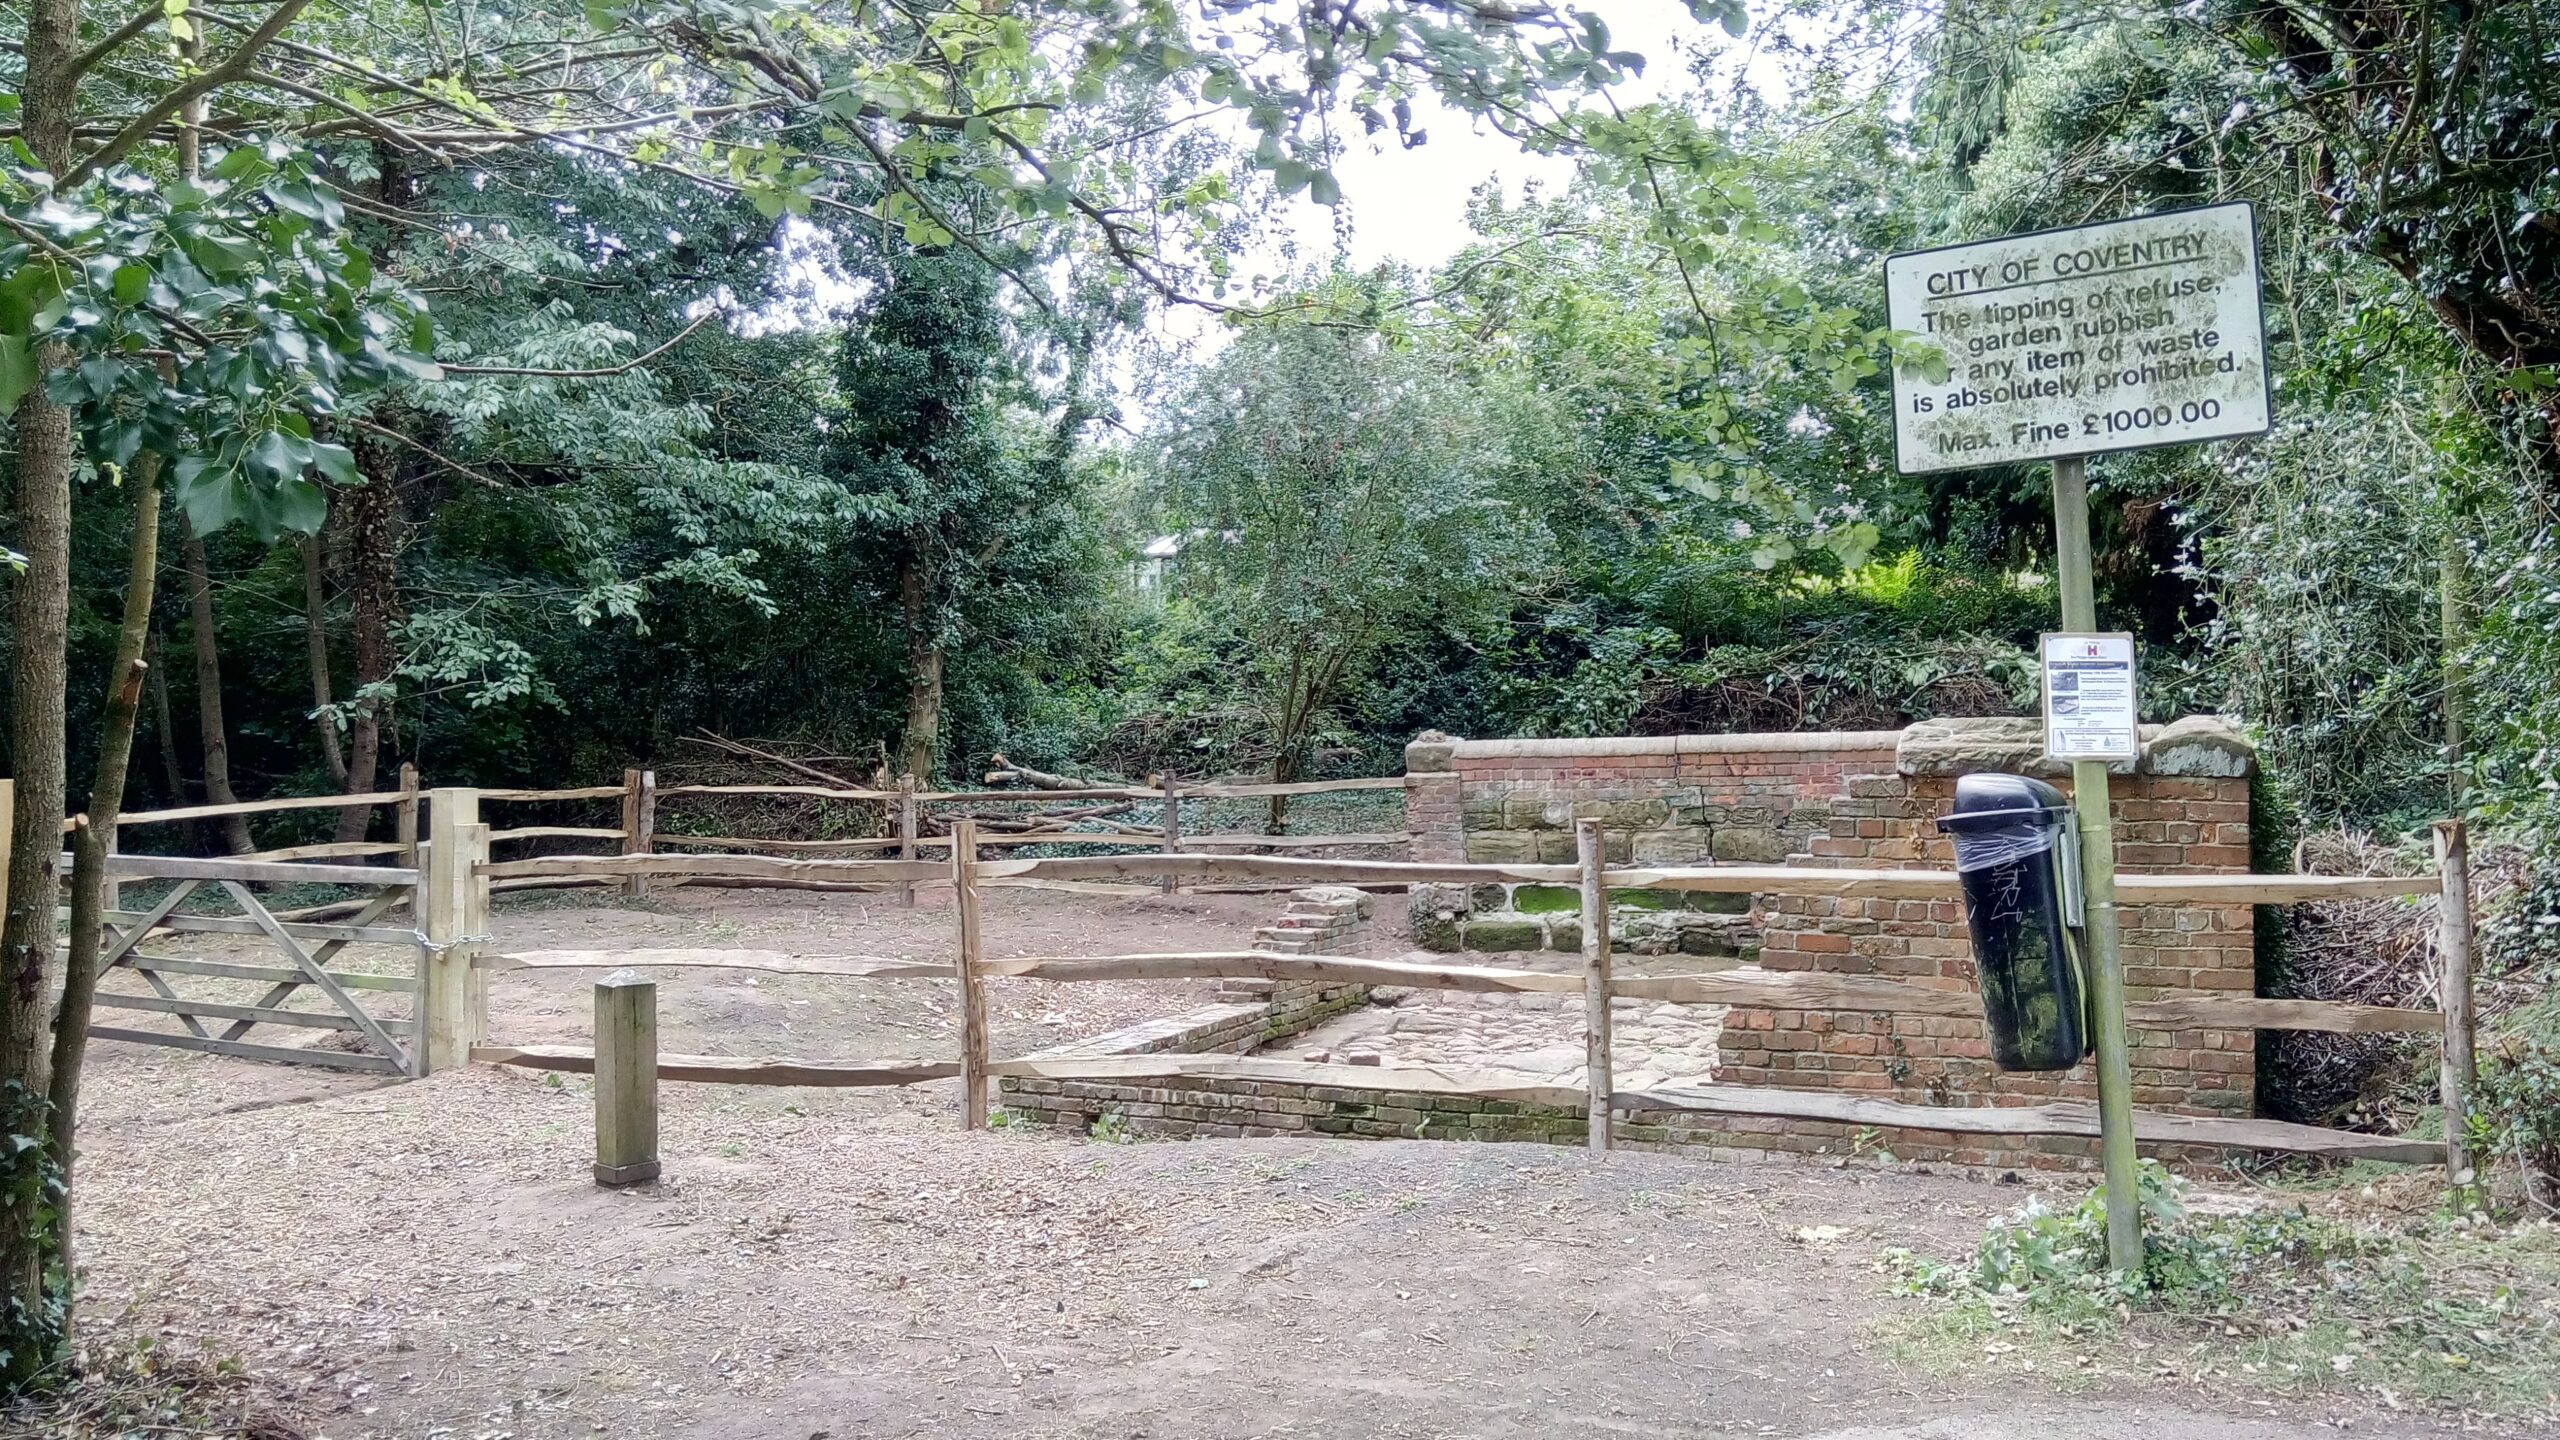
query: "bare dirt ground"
431, 1259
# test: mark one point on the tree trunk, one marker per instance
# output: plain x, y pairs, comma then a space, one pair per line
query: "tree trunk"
921, 745
217, 744
373, 557
315, 627
173, 772
2453, 597
91, 843
40, 615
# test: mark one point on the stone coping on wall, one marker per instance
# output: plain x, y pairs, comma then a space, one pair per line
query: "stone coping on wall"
1432, 751
2194, 745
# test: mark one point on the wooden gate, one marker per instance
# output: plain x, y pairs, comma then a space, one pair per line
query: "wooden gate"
383, 1039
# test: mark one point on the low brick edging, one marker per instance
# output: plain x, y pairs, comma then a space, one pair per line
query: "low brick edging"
1216, 1108
1319, 919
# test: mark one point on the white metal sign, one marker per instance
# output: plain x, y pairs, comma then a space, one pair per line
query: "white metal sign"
2089, 698
2074, 342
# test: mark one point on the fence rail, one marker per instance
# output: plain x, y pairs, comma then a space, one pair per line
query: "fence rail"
637, 831
971, 969
450, 1019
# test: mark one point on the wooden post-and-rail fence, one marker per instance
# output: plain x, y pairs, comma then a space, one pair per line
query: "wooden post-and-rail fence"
637, 830
1598, 1097
445, 871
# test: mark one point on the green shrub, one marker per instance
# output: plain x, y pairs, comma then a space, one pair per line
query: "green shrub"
2515, 1120
2055, 1261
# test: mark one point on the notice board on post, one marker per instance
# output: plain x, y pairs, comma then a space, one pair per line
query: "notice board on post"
2091, 705
2074, 342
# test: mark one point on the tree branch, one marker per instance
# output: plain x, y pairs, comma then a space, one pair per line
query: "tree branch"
233, 66
422, 448
140, 22
625, 368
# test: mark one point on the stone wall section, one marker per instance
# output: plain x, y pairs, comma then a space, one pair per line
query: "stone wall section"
1662, 800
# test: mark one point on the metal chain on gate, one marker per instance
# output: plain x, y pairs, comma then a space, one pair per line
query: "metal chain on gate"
438, 947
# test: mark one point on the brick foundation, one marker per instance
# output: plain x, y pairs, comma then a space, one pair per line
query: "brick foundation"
1856, 800
1863, 800
1320, 919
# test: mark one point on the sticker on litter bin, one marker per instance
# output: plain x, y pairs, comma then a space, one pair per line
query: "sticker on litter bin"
2089, 698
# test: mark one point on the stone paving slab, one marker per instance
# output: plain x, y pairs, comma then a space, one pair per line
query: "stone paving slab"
1541, 1035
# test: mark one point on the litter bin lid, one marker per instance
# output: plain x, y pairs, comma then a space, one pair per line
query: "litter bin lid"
1991, 802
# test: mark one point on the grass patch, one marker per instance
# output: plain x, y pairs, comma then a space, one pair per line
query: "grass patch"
2432, 1311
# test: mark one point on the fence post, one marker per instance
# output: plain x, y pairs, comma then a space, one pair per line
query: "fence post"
973, 995
454, 1010
1600, 1078
907, 835
626, 1079
2453, 997
404, 817
639, 824
111, 890
1172, 884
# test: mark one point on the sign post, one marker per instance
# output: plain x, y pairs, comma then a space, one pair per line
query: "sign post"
2060, 345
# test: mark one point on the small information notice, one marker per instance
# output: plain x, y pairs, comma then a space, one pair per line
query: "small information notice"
2089, 698
2075, 342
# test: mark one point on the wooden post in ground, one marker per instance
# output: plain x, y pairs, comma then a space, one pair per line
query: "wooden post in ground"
973, 995
111, 890
404, 817
907, 835
1172, 884
2460, 1069
626, 1079
2094, 815
639, 824
454, 914
1600, 1074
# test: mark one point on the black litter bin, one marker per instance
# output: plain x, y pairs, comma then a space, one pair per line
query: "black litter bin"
2019, 866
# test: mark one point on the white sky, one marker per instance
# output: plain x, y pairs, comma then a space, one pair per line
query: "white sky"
1411, 205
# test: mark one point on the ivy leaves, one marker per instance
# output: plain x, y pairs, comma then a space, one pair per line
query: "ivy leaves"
218, 321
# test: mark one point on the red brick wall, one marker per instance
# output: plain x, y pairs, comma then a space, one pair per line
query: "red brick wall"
1869, 801
2165, 825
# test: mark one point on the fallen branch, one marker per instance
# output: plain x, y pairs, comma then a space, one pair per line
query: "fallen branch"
1009, 773
744, 750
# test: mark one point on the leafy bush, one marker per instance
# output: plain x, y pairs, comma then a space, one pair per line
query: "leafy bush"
2444, 1309
2515, 1119
2055, 1261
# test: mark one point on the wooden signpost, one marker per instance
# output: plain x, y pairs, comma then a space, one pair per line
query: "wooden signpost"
2056, 346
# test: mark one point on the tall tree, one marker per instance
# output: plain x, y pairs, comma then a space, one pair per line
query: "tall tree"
213, 729
918, 448
1336, 492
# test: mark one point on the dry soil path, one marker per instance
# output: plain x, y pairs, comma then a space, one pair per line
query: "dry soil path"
430, 1260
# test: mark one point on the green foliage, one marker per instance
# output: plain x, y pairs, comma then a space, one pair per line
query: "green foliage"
32, 1325
2451, 1311
2055, 1261
2516, 1119
272, 316
960, 507
2438, 150
1335, 491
